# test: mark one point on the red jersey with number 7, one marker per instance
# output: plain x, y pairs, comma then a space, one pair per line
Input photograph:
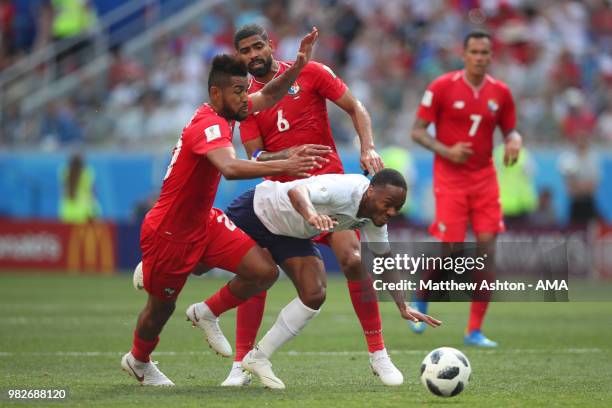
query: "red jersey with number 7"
461, 112
190, 185
300, 117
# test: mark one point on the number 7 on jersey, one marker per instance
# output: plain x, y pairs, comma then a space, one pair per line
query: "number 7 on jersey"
475, 123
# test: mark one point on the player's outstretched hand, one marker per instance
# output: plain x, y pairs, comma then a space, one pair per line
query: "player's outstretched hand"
414, 315
459, 152
322, 222
311, 150
370, 160
300, 166
512, 149
305, 51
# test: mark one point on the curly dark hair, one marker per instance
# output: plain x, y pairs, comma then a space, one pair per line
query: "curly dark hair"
389, 176
223, 67
247, 31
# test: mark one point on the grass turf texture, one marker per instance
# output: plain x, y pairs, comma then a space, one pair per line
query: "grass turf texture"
551, 354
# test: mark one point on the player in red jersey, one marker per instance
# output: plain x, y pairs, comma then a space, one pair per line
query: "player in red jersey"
466, 106
300, 118
182, 229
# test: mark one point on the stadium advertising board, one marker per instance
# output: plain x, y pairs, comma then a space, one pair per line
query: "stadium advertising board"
56, 247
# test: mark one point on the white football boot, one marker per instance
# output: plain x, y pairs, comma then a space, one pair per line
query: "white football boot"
138, 277
200, 316
383, 368
145, 373
237, 376
256, 363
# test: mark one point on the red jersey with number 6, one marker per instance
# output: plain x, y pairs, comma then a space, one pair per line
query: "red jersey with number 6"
464, 113
300, 117
182, 210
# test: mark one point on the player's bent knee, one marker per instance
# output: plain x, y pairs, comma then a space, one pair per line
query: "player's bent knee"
156, 305
166, 309
314, 299
267, 276
264, 274
350, 262
258, 268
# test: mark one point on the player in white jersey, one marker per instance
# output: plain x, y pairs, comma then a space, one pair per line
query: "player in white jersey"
283, 217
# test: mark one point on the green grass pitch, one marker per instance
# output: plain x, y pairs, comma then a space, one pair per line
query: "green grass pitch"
70, 332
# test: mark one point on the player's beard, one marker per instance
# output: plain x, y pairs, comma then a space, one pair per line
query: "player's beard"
231, 115
263, 69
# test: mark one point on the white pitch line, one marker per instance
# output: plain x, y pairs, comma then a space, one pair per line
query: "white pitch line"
291, 353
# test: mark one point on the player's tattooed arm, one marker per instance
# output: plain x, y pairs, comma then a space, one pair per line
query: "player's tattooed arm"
513, 142
224, 159
255, 149
278, 87
370, 160
300, 200
457, 153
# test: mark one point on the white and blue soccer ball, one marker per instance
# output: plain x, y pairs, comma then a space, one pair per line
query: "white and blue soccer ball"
445, 372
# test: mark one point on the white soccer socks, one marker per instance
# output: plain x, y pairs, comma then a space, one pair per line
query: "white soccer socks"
290, 322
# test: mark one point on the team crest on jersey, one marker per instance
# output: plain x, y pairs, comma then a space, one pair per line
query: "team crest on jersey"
492, 105
295, 88
459, 105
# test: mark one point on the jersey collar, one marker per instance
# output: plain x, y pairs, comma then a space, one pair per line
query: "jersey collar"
476, 89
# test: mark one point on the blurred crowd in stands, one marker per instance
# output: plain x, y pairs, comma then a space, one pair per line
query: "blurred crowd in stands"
556, 55
31, 25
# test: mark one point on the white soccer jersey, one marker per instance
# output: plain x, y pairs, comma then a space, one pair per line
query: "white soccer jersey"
336, 195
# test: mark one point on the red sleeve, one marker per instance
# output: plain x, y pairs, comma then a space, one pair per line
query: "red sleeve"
507, 115
430, 102
326, 82
249, 129
209, 135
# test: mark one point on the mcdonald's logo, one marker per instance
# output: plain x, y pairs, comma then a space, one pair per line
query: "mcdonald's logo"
91, 248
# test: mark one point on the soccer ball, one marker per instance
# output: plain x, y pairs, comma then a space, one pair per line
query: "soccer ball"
445, 372
138, 277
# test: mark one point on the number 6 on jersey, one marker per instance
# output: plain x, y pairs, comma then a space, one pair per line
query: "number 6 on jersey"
282, 123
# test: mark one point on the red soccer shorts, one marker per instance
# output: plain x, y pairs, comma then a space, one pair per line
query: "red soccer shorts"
167, 264
323, 238
479, 204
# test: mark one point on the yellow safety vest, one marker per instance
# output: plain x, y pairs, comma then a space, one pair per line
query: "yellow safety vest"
83, 207
72, 17
516, 189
